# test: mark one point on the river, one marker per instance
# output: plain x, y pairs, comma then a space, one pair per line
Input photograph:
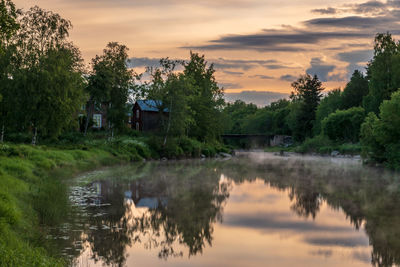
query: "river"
255, 209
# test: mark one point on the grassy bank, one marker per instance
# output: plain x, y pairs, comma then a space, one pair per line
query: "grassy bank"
33, 196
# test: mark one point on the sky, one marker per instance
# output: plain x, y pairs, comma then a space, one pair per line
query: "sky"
259, 45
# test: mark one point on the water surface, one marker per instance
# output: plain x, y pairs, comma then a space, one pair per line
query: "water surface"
253, 210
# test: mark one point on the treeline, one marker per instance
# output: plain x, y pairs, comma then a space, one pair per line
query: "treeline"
365, 112
46, 89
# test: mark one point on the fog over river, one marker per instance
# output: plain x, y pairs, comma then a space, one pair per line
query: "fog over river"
255, 209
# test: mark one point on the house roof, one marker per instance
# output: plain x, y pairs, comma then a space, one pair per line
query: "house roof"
150, 105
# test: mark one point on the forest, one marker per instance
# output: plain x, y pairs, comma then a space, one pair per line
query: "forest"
363, 117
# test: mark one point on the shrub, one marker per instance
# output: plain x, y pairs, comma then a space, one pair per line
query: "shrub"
72, 137
344, 125
380, 136
19, 137
208, 150
315, 144
190, 147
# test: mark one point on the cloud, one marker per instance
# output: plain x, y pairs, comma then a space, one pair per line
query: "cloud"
225, 65
353, 22
394, 3
375, 16
222, 63
288, 78
231, 4
321, 69
137, 62
230, 85
325, 11
370, 7
263, 77
234, 73
354, 58
277, 66
282, 40
260, 98
354, 66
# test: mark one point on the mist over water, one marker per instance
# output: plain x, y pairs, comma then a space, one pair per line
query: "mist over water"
256, 209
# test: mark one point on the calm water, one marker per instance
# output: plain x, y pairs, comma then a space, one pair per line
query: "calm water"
253, 210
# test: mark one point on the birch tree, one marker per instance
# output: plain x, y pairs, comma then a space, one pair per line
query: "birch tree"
110, 83
50, 79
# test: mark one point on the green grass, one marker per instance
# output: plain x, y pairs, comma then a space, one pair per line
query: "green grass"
32, 195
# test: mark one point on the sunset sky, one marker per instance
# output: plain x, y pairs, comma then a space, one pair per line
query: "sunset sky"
258, 45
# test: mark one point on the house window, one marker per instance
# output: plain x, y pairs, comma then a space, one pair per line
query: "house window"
97, 120
137, 114
137, 126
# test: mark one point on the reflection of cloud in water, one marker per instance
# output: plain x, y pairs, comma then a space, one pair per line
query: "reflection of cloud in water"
322, 252
349, 241
275, 221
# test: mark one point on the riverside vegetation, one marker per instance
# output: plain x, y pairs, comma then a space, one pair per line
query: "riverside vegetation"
363, 118
34, 197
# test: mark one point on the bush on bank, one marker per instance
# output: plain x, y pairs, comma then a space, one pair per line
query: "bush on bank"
380, 135
321, 144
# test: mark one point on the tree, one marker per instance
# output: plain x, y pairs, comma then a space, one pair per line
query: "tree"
8, 28
383, 72
48, 82
380, 135
329, 104
344, 125
207, 99
355, 91
237, 114
8, 22
307, 92
171, 92
110, 83
261, 122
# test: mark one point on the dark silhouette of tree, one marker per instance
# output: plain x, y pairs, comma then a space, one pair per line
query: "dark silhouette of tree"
383, 72
354, 91
307, 93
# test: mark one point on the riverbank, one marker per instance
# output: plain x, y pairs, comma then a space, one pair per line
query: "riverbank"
33, 196
320, 146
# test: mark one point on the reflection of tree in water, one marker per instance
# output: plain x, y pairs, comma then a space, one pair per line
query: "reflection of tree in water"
189, 198
186, 216
108, 232
183, 205
187, 219
306, 202
366, 195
